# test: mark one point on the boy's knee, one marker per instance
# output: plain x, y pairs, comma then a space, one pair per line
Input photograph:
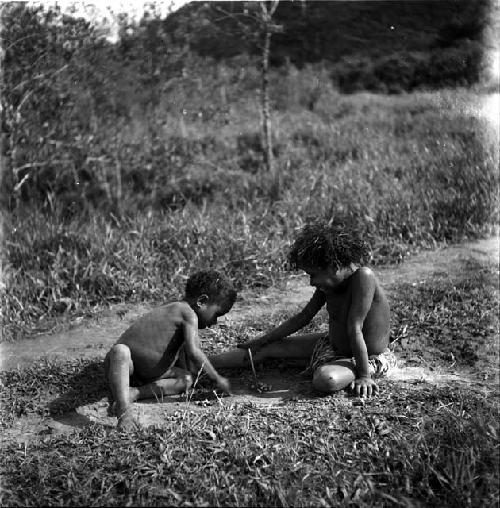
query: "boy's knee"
119, 352
326, 381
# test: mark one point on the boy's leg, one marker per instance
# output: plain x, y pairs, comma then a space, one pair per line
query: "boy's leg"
119, 367
184, 363
297, 347
172, 382
334, 376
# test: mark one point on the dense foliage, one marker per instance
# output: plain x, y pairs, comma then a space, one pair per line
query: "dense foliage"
82, 119
127, 166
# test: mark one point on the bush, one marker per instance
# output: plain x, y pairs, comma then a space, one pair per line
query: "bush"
461, 65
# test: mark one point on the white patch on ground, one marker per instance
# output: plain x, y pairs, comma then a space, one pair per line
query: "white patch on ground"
423, 375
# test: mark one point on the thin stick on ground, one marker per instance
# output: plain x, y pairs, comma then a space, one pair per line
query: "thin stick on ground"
250, 357
260, 387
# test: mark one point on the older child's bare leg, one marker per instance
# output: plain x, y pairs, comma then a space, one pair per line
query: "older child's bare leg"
297, 347
335, 376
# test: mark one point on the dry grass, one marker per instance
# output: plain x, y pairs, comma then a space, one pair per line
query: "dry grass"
417, 444
410, 172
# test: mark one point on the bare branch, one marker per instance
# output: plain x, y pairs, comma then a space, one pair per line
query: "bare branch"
38, 76
235, 16
17, 41
37, 165
274, 6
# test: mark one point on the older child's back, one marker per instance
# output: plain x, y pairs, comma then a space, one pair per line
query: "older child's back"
362, 287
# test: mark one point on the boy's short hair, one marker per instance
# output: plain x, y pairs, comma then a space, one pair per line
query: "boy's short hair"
322, 245
213, 284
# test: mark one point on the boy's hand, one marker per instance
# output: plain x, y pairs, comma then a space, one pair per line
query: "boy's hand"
254, 344
223, 385
364, 387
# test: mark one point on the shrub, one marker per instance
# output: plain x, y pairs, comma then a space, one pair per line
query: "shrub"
460, 65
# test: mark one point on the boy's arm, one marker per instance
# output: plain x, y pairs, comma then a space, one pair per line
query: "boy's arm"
195, 353
363, 291
289, 326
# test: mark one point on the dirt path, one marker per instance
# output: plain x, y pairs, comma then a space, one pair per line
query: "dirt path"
92, 340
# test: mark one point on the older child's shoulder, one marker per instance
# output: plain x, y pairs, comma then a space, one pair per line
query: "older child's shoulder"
364, 273
366, 282
364, 278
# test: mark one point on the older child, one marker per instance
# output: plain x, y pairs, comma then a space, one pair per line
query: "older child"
142, 363
356, 345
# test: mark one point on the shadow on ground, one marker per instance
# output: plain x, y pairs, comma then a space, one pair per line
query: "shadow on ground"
282, 386
85, 399
85, 387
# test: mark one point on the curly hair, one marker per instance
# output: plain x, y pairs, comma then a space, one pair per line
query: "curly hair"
322, 245
213, 284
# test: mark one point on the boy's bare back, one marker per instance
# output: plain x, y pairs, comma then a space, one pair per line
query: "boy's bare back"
142, 364
155, 338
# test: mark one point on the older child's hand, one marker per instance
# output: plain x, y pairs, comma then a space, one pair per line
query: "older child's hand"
364, 387
224, 385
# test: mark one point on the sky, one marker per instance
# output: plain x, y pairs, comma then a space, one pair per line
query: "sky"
103, 12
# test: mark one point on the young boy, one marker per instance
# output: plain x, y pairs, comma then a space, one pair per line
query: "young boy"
356, 345
142, 364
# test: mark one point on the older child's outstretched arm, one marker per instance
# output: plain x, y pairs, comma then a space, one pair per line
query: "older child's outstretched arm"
289, 326
196, 355
363, 291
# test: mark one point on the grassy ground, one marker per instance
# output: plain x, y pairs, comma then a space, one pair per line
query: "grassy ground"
434, 446
417, 444
410, 171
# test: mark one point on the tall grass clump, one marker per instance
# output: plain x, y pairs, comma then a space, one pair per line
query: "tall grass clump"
153, 200
60, 269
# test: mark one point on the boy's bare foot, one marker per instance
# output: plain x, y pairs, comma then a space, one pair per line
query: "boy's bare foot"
126, 421
112, 404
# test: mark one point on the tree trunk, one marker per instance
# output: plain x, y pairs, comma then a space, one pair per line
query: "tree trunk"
266, 115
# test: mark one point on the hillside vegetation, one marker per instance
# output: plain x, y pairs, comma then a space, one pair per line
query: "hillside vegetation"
127, 166
384, 46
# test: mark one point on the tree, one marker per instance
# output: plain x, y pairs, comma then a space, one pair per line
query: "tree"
37, 64
268, 28
255, 24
